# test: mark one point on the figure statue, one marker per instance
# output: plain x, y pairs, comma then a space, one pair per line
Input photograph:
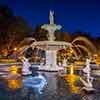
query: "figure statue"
87, 69
64, 64
26, 66
51, 27
51, 18
88, 86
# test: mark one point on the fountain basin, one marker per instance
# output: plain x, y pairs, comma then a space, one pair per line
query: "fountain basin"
51, 45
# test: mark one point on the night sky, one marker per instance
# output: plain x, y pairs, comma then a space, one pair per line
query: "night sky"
73, 15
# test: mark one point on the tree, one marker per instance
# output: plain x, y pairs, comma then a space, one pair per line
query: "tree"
80, 33
63, 36
6, 16
40, 34
13, 29
18, 30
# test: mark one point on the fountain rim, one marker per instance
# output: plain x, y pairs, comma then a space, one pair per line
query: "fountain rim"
58, 43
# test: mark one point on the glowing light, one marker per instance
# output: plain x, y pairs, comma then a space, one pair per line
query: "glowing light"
14, 84
71, 80
71, 70
13, 70
15, 49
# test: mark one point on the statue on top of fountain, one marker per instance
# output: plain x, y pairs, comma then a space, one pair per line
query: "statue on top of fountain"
52, 27
51, 17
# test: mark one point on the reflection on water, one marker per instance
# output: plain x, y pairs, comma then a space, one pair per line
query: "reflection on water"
57, 88
14, 84
13, 70
95, 96
71, 70
37, 82
24, 87
73, 83
72, 79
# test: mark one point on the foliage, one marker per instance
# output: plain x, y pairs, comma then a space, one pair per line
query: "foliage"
63, 36
12, 29
40, 34
70, 59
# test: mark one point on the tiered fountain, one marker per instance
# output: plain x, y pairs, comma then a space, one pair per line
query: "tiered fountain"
51, 46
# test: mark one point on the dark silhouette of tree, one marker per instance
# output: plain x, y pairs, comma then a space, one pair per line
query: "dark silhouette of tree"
6, 16
80, 33
97, 44
18, 30
13, 29
40, 34
63, 36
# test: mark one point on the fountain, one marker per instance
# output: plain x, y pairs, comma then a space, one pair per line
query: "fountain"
51, 47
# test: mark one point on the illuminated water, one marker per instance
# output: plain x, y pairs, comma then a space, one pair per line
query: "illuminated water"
57, 88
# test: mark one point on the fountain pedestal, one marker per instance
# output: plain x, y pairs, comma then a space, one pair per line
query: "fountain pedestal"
51, 61
51, 58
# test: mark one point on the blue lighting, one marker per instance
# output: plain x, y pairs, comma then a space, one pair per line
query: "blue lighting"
36, 82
